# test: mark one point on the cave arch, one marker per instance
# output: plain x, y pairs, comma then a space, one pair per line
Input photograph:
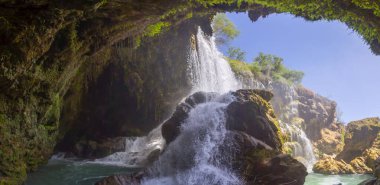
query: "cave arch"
362, 17
51, 47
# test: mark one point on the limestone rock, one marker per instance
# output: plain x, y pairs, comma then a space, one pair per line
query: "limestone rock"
332, 140
317, 111
360, 135
331, 166
359, 165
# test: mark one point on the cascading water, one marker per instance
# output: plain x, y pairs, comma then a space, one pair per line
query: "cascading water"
138, 150
192, 157
299, 143
208, 70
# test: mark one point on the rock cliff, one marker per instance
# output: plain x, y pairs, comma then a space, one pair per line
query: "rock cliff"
361, 149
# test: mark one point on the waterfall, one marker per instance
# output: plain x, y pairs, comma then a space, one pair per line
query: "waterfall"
301, 146
192, 157
208, 70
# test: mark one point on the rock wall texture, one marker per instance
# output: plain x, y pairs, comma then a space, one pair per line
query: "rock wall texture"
360, 152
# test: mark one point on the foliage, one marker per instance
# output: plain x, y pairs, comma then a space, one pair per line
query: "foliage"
156, 29
236, 54
224, 29
267, 66
272, 66
240, 68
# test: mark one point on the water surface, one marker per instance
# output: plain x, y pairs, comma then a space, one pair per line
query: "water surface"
319, 179
64, 172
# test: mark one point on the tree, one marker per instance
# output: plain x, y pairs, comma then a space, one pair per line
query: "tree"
236, 54
265, 63
272, 66
224, 29
293, 76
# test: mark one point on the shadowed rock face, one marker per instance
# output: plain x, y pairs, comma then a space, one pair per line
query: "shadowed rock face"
136, 91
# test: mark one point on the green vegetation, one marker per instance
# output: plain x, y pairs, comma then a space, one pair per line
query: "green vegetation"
156, 29
263, 66
269, 67
224, 29
236, 54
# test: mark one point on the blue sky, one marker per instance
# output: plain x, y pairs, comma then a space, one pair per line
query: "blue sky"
336, 61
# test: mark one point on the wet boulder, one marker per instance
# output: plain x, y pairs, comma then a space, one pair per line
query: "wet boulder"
251, 113
258, 163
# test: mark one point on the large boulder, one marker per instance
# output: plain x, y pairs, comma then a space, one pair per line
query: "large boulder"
360, 136
252, 114
258, 163
279, 169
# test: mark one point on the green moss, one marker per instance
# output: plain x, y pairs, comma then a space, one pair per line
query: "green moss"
101, 3
137, 42
342, 135
156, 29
239, 67
74, 44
